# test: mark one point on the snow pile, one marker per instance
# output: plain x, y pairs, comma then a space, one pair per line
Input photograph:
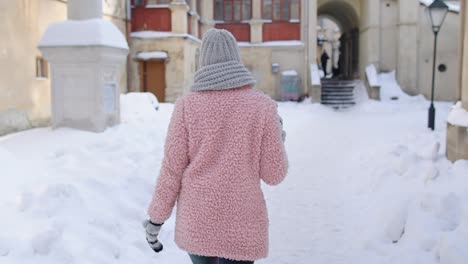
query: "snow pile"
92, 32
390, 89
148, 55
81, 196
314, 74
458, 116
371, 73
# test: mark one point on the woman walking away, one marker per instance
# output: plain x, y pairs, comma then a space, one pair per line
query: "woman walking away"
223, 139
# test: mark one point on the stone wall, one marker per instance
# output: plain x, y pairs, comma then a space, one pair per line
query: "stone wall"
446, 83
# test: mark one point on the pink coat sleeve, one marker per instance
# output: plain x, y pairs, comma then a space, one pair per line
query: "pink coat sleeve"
173, 166
273, 159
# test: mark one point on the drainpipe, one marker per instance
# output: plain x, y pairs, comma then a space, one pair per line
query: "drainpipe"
128, 24
308, 81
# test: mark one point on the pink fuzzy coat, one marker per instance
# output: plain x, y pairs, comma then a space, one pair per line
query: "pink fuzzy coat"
219, 145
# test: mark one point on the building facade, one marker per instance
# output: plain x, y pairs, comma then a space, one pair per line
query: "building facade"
282, 35
275, 36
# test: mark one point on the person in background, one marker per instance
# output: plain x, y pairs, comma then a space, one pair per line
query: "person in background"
324, 60
224, 138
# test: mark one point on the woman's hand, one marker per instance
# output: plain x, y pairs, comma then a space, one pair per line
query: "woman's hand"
152, 232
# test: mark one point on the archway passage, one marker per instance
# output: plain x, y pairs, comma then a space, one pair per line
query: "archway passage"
348, 21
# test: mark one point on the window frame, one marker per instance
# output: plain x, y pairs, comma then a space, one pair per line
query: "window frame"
281, 19
42, 68
232, 20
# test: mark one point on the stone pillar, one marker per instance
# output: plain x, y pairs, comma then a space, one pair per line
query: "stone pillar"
370, 35
207, 14
309, 38
194, 17
464, 56
407, 70
179, 21
84, 9
256, 24
457, 136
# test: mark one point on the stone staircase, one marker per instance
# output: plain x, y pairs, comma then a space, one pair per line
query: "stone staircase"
338, 94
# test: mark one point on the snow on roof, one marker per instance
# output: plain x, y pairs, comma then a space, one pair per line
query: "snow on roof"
289, 73
371, 73
92, 32
161, 35
454, 7
148, 55
458, 116
272, 43
314, 74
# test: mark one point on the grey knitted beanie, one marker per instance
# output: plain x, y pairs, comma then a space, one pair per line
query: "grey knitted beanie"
220, 66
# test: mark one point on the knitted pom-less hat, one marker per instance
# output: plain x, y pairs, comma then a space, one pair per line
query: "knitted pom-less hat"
220, 66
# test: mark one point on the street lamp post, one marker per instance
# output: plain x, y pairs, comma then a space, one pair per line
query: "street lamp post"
437, 12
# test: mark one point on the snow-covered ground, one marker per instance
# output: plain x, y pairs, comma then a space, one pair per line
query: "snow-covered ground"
369, 185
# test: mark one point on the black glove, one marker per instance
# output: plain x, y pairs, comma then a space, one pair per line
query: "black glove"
152, 232
283, 133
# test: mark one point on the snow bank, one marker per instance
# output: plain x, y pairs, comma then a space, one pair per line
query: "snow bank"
371, 73
371, 185
389, 87
148, 55
458, 116
93, 32
315, 74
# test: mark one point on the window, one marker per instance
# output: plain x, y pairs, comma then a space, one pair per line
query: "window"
138, 2
41, 68
233, 10
281, 10
153, 2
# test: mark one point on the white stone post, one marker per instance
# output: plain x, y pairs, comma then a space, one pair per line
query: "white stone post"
86, 54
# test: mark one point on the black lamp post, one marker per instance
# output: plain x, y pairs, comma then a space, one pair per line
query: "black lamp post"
437, 12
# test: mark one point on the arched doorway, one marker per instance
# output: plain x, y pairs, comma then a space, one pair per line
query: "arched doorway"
348, 21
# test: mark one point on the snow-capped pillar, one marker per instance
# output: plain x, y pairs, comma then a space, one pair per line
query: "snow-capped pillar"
84, 9
86, 54
408, 44
207, 14
457, 127
256, 24
179, 17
